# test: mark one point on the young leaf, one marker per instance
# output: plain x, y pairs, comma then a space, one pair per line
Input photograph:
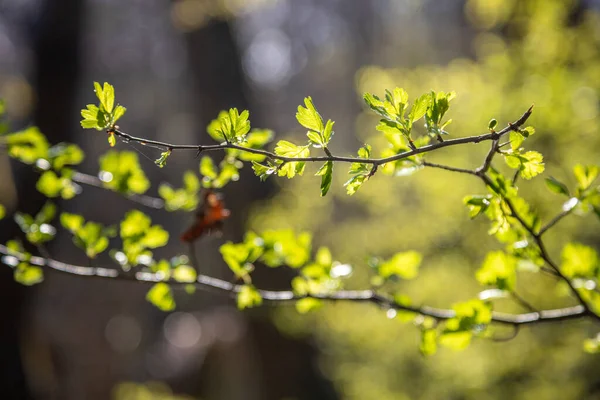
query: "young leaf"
326, 173
309, 117
585, 175
248, 297
161, 296
557, 187
579, 261
28, 145
263, 171
428, 344
121, 171
28, 275
532, 165
315, 138
71, 222
419, 108
498, 269
404, 265
516, 140
162, 161
63, 154
119, 112
288, 149
328, 132
308, 304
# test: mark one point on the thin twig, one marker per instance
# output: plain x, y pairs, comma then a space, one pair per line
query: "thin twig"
377, 161
555, 220
513, 334
524, 303
448, 168
90, 180
359, 296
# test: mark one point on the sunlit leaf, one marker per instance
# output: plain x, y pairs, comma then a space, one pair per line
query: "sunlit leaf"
248, 297
308, 116
307, 305
404, 265
27, 274
498, 269
161, 295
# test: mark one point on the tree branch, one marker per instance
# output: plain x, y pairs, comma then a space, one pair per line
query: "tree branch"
164, 146
231, 289
90, 180
555, 220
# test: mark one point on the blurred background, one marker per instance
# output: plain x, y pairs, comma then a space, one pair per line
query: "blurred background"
174, 65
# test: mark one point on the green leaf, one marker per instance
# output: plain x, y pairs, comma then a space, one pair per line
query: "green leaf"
134, 225
27, 274
191, 182
2, 211
161, 295
472, 315
428, 344
438, 106
284, 247
530, 164
533, 165
419, 108
315, 138
308, 304
46, 214
106, 95
376, 104
91, 236
118, 113
477, 204
308, 116
492, 124
557, 187
516, 140
579, 261
64, 154
585, 175
229, 172
50, 185
456, 340
328, 131
162, 161
300, 286
248, 297
233, 126
527, 131
326, 172
288, 149
361, 171
499, 269
404, 265
184, 273
263, 171
214, 127
185, 198
93, 118
155, 237
592, 346
125, 174
27, 146
71, 222
208, 169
